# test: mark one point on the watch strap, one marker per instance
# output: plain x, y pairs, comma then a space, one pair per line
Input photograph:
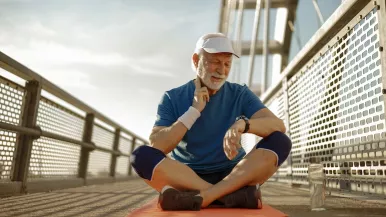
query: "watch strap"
246, 122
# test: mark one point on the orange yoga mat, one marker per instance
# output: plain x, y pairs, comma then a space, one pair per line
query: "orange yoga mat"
151, 210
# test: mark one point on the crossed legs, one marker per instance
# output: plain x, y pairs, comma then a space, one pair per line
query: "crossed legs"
255, 168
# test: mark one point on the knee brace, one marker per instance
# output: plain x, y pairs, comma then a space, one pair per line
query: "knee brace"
145, 159
277, 142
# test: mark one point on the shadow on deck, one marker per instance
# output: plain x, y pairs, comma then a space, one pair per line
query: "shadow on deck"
118, 199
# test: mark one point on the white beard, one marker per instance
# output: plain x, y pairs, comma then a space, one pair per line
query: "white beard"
205, 77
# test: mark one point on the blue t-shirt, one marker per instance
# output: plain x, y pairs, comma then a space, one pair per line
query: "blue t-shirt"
202, 146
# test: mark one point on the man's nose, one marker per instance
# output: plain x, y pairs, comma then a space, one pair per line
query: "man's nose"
221, 69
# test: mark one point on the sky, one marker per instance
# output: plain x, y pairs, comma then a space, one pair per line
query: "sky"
119, 56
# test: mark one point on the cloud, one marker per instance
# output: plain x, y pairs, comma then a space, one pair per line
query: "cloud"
70, 79
146, 92
142, 42
37, 28
139, 33
53, 54
117, 56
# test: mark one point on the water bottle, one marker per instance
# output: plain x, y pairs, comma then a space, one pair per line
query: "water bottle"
317, 182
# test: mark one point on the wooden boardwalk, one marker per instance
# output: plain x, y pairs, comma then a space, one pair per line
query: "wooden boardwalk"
119, 199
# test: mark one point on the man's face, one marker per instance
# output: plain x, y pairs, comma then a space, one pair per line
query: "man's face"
214, 68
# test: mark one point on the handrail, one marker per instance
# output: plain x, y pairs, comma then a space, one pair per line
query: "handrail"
345, 12
25, 73
38, 133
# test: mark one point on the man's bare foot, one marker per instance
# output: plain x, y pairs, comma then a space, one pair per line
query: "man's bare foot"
205, 199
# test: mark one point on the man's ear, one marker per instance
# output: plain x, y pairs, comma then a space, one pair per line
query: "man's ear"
195, 59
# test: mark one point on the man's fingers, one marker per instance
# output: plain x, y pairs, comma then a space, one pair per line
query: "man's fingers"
231, 143
206, 92
200, 99
227, 149
232, 147
233, 135
226, 153
236, 139
232, 154
206, 95
197, 83
203, 95
202, 90
238, 145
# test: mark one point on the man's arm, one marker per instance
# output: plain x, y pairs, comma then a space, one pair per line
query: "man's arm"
262, 123
167, 138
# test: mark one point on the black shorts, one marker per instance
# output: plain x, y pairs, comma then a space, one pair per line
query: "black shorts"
215, 177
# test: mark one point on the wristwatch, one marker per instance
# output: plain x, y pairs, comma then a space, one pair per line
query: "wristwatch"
246, 122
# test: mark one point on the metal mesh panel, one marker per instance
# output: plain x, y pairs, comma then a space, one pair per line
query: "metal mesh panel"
122, 167
336, 107
102, 137
99, 164
11, 100
137, 144
53, 158
277, 106
57, 119
7, 148
125, 145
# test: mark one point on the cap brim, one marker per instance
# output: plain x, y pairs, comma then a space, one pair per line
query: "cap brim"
214, 50
219, 45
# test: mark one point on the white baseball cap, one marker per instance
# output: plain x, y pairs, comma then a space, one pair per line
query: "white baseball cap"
215, 43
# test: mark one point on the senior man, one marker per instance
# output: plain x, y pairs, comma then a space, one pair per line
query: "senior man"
201, 123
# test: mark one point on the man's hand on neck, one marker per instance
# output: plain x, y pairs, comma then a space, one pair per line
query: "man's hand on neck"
210, 91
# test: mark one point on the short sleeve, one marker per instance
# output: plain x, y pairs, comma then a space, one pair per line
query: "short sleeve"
165, 114
251, 103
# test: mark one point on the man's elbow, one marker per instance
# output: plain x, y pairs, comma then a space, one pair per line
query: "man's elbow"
282, 127
154, 143
157, 145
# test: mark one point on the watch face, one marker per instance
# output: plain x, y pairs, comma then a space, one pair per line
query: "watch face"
241, 117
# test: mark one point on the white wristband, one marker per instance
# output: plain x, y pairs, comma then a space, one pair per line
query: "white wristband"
189, 117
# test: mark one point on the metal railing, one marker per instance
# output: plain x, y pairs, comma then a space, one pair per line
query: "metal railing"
331, 96
47, 144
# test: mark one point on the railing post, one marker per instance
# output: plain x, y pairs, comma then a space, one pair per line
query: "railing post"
287, 119
381, 13
133, 141
113, 155
24, 142
85, 152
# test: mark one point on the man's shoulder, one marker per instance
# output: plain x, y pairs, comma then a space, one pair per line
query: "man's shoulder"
180, 90
235, 87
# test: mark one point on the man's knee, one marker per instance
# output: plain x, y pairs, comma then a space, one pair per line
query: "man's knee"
145, 159
279, 143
